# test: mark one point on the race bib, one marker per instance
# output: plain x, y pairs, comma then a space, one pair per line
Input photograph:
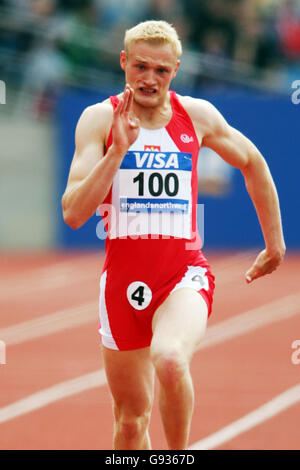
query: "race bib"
152, 193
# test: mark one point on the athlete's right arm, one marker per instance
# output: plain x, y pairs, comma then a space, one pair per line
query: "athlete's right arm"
92, 172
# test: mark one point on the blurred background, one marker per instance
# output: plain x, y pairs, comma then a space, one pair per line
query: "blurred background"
59, 56
56, 58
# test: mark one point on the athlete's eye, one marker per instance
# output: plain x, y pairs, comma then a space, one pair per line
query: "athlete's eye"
162, 70
140, 66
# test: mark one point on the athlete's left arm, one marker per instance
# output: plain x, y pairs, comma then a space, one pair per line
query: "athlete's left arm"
240, 152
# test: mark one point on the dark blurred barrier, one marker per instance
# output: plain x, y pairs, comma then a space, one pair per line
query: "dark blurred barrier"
270, 121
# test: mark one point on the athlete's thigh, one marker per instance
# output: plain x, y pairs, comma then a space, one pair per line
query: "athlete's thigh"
130, 377
180, 320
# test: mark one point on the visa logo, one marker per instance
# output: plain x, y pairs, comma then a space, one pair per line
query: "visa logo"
156, 160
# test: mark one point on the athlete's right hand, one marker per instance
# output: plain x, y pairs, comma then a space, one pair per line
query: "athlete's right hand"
125, 129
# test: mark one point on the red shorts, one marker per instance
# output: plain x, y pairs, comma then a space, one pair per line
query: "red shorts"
137, 277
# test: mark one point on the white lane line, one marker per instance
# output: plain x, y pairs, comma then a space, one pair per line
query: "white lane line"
42, 271
76, 270
69, 317
52, 394
88, 312
272, 312
52, 323
228, 329
223, 268
268, 410
55, 276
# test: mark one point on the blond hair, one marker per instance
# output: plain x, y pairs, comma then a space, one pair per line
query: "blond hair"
155, 32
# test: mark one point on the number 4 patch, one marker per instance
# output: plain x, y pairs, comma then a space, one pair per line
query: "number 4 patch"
139, 295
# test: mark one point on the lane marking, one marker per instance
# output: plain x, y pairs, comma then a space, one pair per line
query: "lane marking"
272, 312
53, 394
248, 321
75, 270
88, 312
69, 317
263, 413
58, 275
52, 323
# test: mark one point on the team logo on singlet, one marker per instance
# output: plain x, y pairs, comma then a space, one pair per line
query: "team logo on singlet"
186, 139
152, 148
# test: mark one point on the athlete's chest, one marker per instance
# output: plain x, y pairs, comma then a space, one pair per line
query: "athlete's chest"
152, 190
156, 151
155, 175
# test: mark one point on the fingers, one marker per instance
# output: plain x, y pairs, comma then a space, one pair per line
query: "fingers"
125, 102
134, 123
129, 99
118, 110
264, 264
125, 98
258, 269
251, 275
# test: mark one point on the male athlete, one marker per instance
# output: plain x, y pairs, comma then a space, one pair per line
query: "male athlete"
136, 157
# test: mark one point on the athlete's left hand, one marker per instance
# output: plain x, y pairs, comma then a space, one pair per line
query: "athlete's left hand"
265, 263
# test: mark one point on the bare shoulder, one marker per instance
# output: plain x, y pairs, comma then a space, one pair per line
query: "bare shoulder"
193, 104
94, 124
97, 116
202, 112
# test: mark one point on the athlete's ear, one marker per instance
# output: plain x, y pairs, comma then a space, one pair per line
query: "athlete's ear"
123, 60
176, 69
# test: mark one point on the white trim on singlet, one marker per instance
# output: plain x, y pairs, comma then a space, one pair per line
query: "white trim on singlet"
159, 137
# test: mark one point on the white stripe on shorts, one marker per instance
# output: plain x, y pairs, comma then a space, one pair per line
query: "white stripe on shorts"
105, 331
195, 278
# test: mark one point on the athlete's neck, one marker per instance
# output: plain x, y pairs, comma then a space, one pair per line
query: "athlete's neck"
153, 117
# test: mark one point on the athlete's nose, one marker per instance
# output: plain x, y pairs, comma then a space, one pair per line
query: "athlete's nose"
149, 79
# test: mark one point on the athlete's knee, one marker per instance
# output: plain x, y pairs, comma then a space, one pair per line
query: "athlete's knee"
171, 364
131, 425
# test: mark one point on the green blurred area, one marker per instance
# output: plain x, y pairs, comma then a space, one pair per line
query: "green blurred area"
47, 45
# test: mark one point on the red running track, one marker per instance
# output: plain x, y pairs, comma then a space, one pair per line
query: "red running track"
49, 322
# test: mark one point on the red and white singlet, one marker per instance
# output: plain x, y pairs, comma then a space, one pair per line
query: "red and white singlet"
153, 244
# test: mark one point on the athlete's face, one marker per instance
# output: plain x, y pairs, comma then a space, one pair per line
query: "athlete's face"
149, 71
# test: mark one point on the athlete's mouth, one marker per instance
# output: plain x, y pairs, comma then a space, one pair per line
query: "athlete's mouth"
148, 91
